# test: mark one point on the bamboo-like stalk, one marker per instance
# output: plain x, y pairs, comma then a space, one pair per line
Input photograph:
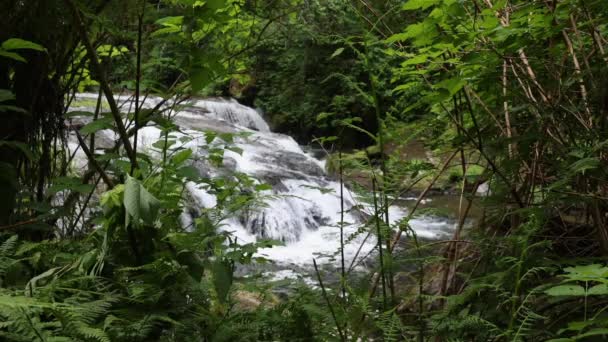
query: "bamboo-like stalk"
331, 308
379, 236
383, 186
93, 161
140, 19
422, 195
103, 82
95, 116
342, 261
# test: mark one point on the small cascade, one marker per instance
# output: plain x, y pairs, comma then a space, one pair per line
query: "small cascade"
233, 112
303, 207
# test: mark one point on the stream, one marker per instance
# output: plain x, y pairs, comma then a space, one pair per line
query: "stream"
303, 207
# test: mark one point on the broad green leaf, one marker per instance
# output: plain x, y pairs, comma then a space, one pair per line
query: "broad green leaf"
171, 21
452, 85
167, 30
210, 136
97, 125
139, 203
189, 172
199, 78
181, 157
69, 183
160, 144
222, 279
593, 272
17, 43
418, 59
598, 290
263, 187
421, 33
114, 197
235, 149
227, 137
419, 4
566, 290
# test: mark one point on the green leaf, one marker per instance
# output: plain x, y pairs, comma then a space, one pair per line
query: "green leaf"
585, 164
139, 203
9, 108
593, 272
166, 30
189, 172
171, 21
263, 186
337, 53
17, 43
577, 326
181, 157
216, 4
598, 290
160, 144
593, 332
19, 146
222, 279
566, 290
452, 85
419, 4
210, 136
199, 78
235, 149
6, 95
324, 115
69, 183
34, 281
12, 55
227, 137
97, 125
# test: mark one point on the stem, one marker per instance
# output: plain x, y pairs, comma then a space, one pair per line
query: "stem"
383, 194
586, 289
93, 161
95, 116
397, 237
103, 82
341, 170
140, 20
379, 232
331, 308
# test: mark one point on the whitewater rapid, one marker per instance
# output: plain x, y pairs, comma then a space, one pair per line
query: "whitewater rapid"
302, 209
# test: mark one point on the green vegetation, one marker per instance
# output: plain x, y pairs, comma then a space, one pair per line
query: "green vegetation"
505, 94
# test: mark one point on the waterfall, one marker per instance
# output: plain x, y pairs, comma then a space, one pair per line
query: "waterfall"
303, 207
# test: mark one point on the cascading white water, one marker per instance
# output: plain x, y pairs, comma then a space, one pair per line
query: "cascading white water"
297, 212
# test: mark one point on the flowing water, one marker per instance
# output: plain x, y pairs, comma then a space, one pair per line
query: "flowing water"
303, 207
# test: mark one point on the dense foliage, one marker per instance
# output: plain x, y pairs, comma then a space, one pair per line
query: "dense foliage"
508, 97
